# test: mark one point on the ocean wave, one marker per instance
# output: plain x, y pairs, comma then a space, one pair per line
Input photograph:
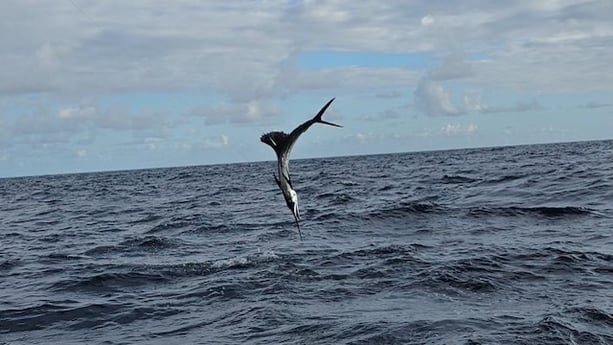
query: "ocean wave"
457, 179
149, 242
592, 315
544, 211
453, 284
207, 267
8, 264
405, 208
382, 252
134, 244
547, 261
210, 229
60, 257
183, 175
466, 247
555, 330
188, 224
76, 316
172, 225
548, 330
148, 218
107, 282
44, 315
336, 198
503, 179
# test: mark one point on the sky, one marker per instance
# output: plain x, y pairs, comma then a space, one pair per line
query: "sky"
88, 85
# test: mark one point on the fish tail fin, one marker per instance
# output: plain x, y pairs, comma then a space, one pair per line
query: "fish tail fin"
318, 119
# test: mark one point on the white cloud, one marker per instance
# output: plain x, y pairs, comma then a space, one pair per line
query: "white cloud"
47, 56
246, 112
519, 107
432, 99
595, 105
292, 79
387, 114
242, 49
217, 142
81, 153
364, 137
117, 118
473, 103
529, 47
389, 95
87, 112
246, 53
454, 66
77, 125
458, 129
427, 20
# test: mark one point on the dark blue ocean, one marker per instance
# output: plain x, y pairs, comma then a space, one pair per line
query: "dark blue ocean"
508, 245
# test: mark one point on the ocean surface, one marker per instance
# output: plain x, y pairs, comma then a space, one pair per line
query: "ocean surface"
508, 245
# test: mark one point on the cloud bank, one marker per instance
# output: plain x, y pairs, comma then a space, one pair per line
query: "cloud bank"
239, 64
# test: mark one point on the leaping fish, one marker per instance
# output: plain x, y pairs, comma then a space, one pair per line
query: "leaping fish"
282, 144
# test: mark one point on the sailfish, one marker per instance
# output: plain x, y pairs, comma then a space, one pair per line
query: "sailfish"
282, 143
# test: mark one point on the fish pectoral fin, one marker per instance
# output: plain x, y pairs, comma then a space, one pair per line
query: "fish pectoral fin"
276, 180
288, 179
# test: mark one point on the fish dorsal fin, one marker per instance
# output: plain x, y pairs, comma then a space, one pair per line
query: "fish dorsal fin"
277, 140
